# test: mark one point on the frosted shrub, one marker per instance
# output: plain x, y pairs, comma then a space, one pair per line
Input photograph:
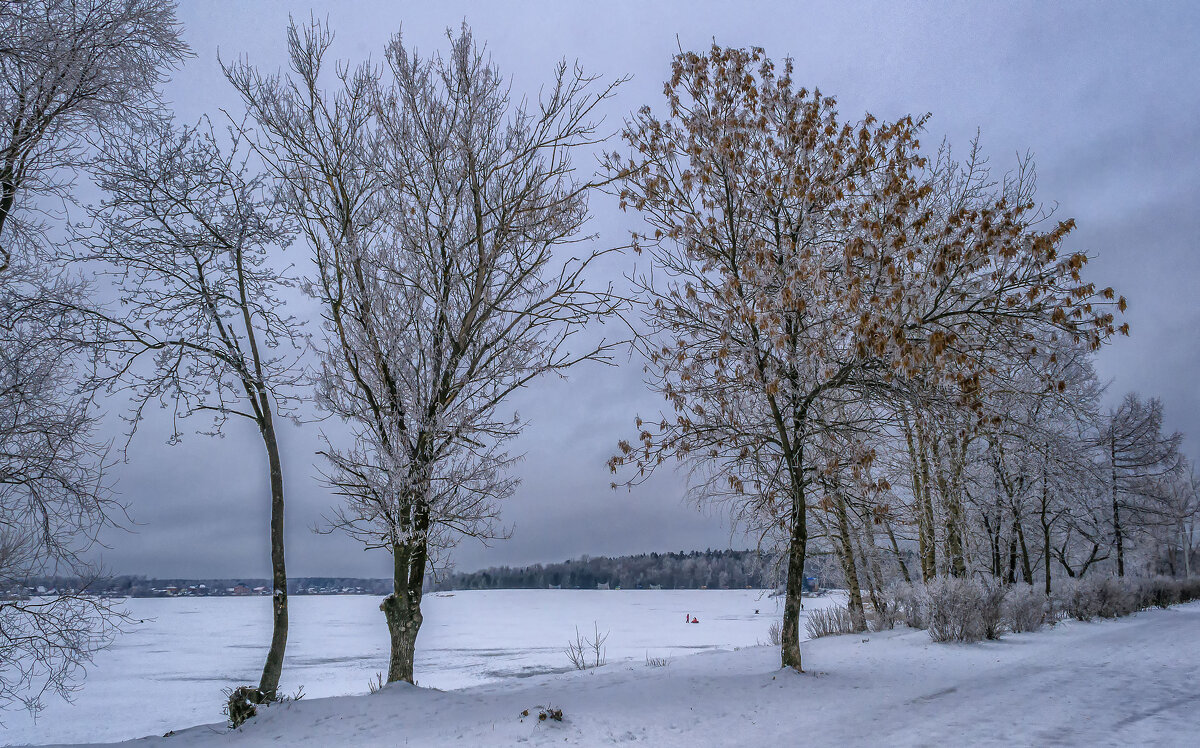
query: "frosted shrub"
1161, 592
1024, 608
1189, 589
991, 596
952, 610
910, 604
884, 614
1115, 597
1077, 598
829, 622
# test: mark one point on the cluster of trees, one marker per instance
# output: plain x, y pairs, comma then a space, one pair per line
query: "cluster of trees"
863, 345
127, 585
722, 569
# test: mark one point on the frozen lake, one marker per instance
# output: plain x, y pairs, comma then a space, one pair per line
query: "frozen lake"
169, 672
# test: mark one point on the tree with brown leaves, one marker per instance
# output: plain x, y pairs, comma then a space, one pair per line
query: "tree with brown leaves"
804, 267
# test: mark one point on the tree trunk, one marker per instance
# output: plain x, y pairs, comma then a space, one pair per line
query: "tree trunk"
1045, 523
849, 567
948, 487
1187, 552
1026, 564
794, 585
920, 476
402, 608
1117, 535
269, 683
896, 551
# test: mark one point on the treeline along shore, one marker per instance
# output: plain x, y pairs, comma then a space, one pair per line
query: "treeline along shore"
719, 569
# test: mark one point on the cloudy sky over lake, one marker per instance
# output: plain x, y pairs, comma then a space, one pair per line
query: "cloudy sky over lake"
1105, 96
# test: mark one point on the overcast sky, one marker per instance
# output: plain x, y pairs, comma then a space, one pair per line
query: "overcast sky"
1106, 97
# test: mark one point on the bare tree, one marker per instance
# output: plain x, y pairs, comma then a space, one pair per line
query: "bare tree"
70, 69
437, 212
54, 496
184, 232
1138, 457
803, 267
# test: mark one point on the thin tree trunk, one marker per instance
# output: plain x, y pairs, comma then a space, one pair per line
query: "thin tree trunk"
896, 551
269, 683
794, 585
954, 545
1045, 522
1187, 552
1117, 535
849, 566
920, 469
1026, 565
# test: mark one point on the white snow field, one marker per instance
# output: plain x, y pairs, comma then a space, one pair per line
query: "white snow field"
168, 673
1132, 681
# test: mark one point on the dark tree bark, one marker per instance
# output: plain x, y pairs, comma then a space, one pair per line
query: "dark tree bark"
273, 668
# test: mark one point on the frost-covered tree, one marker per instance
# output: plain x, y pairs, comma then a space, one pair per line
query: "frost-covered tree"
69, 71
1139, 458
184, 233
439, 215
55, 498
803, 267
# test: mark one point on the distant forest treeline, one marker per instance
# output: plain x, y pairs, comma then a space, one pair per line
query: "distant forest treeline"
722, 569
725, 569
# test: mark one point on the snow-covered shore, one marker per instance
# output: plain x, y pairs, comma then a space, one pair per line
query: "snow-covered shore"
1129, 681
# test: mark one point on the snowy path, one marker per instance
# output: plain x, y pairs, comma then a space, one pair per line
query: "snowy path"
1134, 681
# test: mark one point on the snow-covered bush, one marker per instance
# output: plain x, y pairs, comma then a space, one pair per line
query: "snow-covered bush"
1189, 589
909, 602
884, 612
1161, 592
829, 622
953, 610
1024, 608
1116, 597
1077, 598
991, 596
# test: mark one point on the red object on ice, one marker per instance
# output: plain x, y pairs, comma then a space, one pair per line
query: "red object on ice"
695, 620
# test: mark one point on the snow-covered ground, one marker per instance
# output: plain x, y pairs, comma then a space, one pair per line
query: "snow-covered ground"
1133, 681
169, 672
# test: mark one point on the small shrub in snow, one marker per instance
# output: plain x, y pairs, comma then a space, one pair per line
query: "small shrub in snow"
242, 703
585, 653
656, 661
775, 633
375, 685
1024, 608
953, 610
884, 614
829, 622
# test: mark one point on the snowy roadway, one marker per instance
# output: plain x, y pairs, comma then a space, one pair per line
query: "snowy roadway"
1134, 681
